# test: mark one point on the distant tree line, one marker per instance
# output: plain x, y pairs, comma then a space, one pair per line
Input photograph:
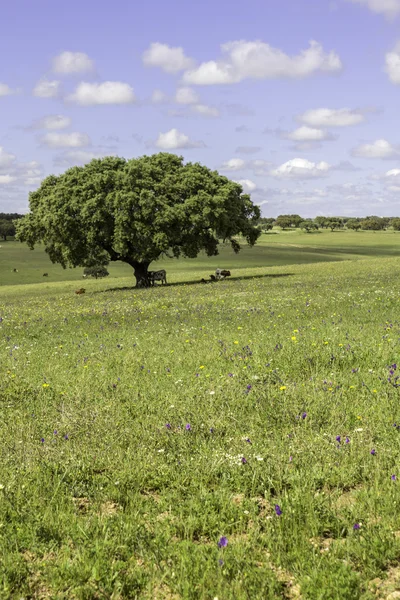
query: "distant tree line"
371, 223
7, 227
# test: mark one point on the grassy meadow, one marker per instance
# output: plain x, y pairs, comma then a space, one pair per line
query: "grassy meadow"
238, 440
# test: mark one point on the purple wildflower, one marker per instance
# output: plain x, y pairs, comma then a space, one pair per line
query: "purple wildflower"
221, 562
347, 440
356, 526
168, 425
338, 438
373, 451
55, 432
188, 427
223, 542
66, 436
290, 458
278, 510
42, 440
211, 429
244, 461
393, 478
303, 415
248, 440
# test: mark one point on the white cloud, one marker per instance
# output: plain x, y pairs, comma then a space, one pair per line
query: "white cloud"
330, 117
78, 157
159, 97
169, 59
174, 139
5, 179
66, 140
5, 90
233, 164
47, 89
258, 60
393, 173
247, 185
308, 134
6, 159
108, 92
206, 111
392, 66
51, 122
300, 168
378, 149
389, 8
72, 62
186, 95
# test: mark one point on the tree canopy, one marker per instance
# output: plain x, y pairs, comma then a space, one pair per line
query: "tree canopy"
136, 211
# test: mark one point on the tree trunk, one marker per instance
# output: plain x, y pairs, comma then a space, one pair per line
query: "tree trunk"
140, 272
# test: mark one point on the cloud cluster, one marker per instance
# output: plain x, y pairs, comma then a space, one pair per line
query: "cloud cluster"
331, 117
378, 149
108, 92
300, 168
68, 63
242, 60
392, 64
170, 60
389, 8
174, 139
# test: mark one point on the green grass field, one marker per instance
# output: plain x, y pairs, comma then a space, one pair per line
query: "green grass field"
236, 440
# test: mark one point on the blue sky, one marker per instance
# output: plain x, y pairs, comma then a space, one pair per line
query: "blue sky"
296, 99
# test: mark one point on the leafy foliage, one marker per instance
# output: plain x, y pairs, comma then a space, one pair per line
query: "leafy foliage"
136, 211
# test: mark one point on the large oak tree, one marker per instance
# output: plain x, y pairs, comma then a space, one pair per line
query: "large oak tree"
136, 211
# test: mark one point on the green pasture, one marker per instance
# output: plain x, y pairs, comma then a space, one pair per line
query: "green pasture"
273, 248
233, 440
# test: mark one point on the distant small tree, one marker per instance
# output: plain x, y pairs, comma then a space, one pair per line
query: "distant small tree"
373, 224
96, 271
284, 221
321, 222
7, 228
334, 223
353, 224
308, 225
395, 223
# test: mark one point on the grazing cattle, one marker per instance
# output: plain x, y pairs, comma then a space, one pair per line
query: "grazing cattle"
157, 276
213, 278
80, 291
222, 273
45, 274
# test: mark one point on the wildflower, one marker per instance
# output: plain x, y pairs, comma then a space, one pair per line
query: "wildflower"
283, 387
168, 425
55, 432
211, 430
303, 415
66, 436
221, 562
347, 440
45, 385
356, 526
373, 451
244, 461
278, 510
223, 542
42, 440
338, 438
393, 478
248, 440
290, 458
188, 427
